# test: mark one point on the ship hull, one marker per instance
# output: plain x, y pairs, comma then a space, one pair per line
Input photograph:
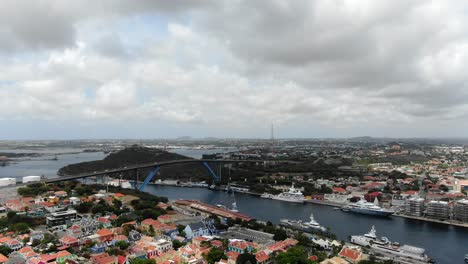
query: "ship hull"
287, 200
301, 228
369, 212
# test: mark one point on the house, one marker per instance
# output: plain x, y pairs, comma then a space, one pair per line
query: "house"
36, 235
196, 229
118, 238
75, 231
232, 256
14, 244
98, 248
63, 256
104, 258
134, 236
334, 260
69, 241
3, 259
61, 194
75, 200
217, 243
105, 234
166, 219
262, 257
105, 222
351, 255
240, 246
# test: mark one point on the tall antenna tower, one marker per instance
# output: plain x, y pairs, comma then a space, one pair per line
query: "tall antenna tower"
272, 137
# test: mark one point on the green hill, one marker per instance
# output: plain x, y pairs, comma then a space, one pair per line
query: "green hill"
135, 155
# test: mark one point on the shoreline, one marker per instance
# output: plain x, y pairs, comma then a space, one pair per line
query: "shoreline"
426, 219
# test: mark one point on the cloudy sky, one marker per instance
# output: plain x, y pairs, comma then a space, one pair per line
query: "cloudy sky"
152, 69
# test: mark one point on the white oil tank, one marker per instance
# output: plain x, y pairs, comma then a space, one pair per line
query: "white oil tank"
7, 181
31, 179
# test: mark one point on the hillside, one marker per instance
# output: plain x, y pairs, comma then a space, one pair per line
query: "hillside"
135, 155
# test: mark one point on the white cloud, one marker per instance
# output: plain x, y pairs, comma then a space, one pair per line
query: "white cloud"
238, 64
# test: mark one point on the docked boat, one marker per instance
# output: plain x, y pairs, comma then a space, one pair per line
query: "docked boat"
466, 258
120, 183
385, 246
292, 195
310, 226
234, 208
364, 207
267, 195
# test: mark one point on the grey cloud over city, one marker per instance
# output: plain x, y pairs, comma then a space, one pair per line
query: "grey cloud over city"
231, 68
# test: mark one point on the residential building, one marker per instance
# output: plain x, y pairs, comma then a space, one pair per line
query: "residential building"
414, 206
196, 229
438, 210
460, 210
61, 218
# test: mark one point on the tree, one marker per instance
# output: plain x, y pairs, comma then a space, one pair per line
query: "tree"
215, 255
20, 228
176, 244
143, 261
84, 208
151, 230
246, 258
295, 255
122, 245
280, 234
303, 240
5, 250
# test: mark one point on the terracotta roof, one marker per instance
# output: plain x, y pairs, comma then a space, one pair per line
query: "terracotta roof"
232, 255
261, 256
63, 253
119, 195
350, 253
68, 240
338, 189
3, 258
104, 232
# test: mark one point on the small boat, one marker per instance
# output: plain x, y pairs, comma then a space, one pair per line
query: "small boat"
466, 258
234, 208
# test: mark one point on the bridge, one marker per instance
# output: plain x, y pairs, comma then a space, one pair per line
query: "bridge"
155, 166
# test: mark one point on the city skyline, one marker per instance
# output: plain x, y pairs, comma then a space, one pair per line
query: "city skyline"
228, 69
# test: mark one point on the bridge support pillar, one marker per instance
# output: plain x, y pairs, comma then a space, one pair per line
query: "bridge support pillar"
216, 178
149, 178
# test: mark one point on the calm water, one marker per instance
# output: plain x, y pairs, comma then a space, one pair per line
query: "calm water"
447, 244
44, 165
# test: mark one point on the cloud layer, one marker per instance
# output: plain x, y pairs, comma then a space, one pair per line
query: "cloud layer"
227, 68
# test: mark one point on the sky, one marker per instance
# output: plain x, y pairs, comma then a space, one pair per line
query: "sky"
231, 68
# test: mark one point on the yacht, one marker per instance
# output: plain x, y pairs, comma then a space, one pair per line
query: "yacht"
292, 195
384, 245
310, 226
364, 207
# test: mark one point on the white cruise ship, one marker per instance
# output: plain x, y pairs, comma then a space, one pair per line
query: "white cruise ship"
384, 245
292, 195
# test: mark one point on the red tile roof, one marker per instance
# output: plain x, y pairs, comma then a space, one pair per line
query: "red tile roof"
350, 253
261, 256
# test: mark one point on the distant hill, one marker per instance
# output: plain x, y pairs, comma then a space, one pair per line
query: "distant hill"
135, 155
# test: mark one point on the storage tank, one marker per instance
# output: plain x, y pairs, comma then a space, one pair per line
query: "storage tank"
31, 179
7, 181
